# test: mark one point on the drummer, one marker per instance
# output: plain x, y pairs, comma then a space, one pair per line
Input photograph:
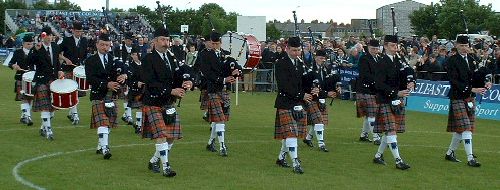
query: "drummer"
45, 57
20, 64
105, 76
74, 51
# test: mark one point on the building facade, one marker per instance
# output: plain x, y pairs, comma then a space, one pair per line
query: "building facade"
402, 12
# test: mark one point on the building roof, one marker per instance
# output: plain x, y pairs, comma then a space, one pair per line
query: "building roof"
315, 27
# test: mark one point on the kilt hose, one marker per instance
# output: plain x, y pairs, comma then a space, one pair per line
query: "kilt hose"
69, 75
286, 126
42, 99
219, 104
19, 96
99, 118
203, 100
314, 115
460, 117
154, 125
388, 120
366, 105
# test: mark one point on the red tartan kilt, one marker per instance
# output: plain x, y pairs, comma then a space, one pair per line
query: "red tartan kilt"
204, 100
388, 121
366, 105
19, 95
99, 117
154, 126
216, 103
460, 117
42, 100
324, 116
286, 127
314, 115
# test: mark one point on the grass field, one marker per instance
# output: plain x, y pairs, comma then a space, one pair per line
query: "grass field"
70, 162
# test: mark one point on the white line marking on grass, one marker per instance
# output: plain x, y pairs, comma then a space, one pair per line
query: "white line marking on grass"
20, 179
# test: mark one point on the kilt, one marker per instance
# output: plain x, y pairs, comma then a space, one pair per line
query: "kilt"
19, 95
285, 126
388, 121
204, 100
314, 115
460, 117
216, 103
99, 117
366, 105
324, 116
42, 99
69, 75
154, 127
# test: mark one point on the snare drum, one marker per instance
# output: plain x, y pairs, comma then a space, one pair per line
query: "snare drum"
251, 52
80, 78
27, 86
64, 93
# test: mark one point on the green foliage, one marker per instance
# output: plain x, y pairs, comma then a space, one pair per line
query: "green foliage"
445, 20
272, 32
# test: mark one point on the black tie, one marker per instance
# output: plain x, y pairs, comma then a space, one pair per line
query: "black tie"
50, 55
105, 61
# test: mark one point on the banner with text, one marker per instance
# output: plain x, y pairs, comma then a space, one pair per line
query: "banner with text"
432, 97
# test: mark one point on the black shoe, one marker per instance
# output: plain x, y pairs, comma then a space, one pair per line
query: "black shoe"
98, 151
452, 157
205, 118
223, 152
402, 166
282, 163
364, 139
127, 120
42, 132
50, 137
211, 147
298, 170
308, 142
169, 172
473, 163
70, 117
154, 167
23, 120
323, 148
376, 142
29, 122
106, 154
379, 160
137, 129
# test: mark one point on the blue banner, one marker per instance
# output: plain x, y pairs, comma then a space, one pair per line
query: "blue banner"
348, 74
432, 97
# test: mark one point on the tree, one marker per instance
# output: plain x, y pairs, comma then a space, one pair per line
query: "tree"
117, 10
272, 32
66, 5
42, 5
445, 18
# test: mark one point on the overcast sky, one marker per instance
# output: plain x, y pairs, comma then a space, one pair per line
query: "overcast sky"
323, 10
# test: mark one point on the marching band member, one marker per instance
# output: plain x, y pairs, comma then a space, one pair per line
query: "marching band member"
21, 64
291, 118
136, 86
165, 82
45, 57
392, 86
321, 82
466, 81
105, 76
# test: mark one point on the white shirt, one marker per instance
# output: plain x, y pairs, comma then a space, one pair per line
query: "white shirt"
26, 51
77, 41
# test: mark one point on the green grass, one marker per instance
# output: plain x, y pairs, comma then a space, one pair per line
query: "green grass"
252, 153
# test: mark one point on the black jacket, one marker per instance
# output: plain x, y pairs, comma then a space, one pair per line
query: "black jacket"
323, 77
288, 78
160, 79
21, 59
98, 76
390, 78
45, 71
463, 77
135, 75
366, 80
74, 53
215, 69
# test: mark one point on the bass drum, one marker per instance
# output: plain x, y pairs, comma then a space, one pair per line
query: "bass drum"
247, 44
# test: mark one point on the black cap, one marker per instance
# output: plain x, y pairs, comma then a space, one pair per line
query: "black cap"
135, 49
391, 38
161, 31
104, 37
321, 53
28, 38
374, 43
215, 37
129, 35
294, 41
462, 39
77, 26
47, 30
